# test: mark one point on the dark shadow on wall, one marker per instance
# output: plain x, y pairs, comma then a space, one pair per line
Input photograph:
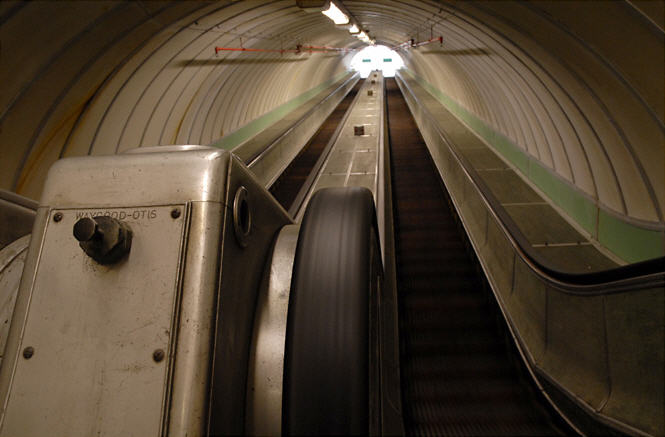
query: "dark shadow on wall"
224, 61
464, 52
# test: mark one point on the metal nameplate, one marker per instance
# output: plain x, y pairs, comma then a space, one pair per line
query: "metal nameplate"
95, 354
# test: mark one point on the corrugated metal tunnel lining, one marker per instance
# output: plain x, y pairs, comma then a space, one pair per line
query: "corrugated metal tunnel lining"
560, 89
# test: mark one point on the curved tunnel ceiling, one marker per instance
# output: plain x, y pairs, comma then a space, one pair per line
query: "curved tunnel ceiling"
575, 86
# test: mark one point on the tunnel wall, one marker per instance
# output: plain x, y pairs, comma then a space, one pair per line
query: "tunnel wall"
94, 78
569, 93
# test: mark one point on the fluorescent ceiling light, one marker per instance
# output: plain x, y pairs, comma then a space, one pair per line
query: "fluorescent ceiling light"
354, 29
335, 14
363, 36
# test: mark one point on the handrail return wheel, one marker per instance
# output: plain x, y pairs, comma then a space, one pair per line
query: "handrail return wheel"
330, 377
314, 366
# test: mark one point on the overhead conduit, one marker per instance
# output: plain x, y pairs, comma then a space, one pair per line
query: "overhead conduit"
298, 49
412, 43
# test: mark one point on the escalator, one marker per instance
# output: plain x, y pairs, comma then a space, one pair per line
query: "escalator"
458, 373
462, 361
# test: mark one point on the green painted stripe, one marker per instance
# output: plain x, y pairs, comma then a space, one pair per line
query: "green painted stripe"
633, 244
257, 125
627, 240
500, 142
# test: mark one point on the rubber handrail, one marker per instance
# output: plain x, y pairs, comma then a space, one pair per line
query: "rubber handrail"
615, 275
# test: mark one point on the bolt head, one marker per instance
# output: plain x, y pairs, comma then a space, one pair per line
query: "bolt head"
85, 229
175, 213
57, 217
28, 352
158, 355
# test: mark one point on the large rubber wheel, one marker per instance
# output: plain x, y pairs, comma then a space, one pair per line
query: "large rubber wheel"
327, 364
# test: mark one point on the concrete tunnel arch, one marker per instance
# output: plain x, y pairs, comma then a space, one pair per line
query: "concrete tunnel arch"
558, 89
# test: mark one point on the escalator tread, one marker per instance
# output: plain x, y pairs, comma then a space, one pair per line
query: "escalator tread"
457, 375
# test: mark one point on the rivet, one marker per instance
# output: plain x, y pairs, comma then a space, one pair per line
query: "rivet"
57, 216
28, 352
175, 213
158, 355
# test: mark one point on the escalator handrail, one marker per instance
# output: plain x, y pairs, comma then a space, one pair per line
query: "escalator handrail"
328, 366
252, 160
631, 277
308, 185
19, 200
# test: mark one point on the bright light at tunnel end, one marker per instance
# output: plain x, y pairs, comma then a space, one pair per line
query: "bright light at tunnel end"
377, 58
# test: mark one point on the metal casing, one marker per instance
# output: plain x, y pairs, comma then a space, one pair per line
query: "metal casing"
147, 176
92, 330
127, 349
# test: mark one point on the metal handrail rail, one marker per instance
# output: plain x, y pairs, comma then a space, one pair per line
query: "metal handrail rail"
17, 199
260, 155
307, 186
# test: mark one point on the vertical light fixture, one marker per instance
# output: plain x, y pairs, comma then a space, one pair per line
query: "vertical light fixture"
363, 37
335, 14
